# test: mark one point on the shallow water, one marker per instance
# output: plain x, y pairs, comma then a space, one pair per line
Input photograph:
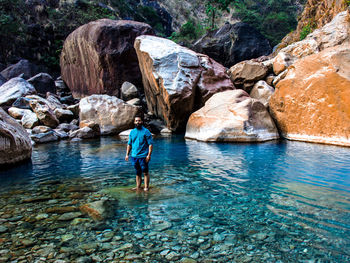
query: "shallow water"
270, 202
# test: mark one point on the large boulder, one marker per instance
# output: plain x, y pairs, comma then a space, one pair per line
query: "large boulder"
14, 89
262, 92
233, 43
231, 116
43, 83
112, 114
177, 81
312, 102
15, 144
98, 57
246, 73
24, 67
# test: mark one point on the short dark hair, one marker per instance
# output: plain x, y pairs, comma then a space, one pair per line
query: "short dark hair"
139, 116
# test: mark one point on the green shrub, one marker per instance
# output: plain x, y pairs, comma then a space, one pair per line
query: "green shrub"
188, 32
305, 31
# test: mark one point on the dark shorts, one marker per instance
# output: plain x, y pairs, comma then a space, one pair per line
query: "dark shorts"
140, 165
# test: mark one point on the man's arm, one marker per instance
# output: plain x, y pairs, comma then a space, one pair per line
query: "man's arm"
128, 149
150, 149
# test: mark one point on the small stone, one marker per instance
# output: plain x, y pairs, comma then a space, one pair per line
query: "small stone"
188, 260
162, 226
83, 260
172, 256
3, 229
41, 216
164, 252
138, 235
27, 242
259, 236
67, 237
69, 216
132, 257
126, 246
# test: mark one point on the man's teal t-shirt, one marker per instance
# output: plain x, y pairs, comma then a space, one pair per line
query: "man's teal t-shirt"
140, 139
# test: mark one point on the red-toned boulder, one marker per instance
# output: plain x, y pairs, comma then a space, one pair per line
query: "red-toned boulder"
177, 80
98, 57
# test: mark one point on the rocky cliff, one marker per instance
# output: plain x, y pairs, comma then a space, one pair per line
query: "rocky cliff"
315, 15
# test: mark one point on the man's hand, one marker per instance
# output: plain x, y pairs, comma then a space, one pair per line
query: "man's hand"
148, 158
126, 157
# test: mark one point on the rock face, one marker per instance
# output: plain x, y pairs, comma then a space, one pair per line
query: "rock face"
177, 81
231, 116
312, 102
332, 34
15, 145
316, 14
99, 56
14, 89
233, 43
110, 113
21, 67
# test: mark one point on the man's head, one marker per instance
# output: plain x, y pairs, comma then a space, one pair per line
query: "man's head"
138, 122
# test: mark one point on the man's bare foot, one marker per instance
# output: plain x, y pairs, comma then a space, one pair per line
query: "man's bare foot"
145, 189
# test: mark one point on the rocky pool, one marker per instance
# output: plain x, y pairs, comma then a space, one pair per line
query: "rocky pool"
217, 202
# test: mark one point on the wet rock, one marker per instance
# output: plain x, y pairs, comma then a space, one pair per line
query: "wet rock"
62, 210
262, 92
24, 67
259, 236
14, 89
67, 237
162, 226
172, 256
177, 80
64, 115
233, 43
61, 134
15, 144
188, 260
46, 137
110, 44
37, 199
3, 229
129, 91
41, 216
27, 242
126, 246
99, 210
69, 216
44, 114
110, 113
84, 260
231, 116
43, 83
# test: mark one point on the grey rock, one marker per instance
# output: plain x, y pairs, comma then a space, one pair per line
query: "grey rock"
17, 113
61, 134
43, 83
3, 229
22, 103
29, 120
129, 91
69, 216
64, 115
44, 137
24, 67
83, 133
44, 113
41, 129
14, 89
67, 127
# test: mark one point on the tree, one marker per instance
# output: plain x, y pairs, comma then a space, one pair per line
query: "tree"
211, 8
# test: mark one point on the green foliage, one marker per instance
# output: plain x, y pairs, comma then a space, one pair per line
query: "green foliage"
149, 15
347, 2
211, 9
188, 32
273, 18
305, 31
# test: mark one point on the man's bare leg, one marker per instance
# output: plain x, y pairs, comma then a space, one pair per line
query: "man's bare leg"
138, 182
146, 179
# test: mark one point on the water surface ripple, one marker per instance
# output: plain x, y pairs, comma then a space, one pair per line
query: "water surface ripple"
271, 202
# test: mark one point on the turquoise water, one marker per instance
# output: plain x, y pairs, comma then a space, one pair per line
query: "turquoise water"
270, 202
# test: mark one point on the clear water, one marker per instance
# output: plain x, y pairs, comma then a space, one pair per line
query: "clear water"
287, 201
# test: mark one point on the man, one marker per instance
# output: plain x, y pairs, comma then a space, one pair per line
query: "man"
141, 146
